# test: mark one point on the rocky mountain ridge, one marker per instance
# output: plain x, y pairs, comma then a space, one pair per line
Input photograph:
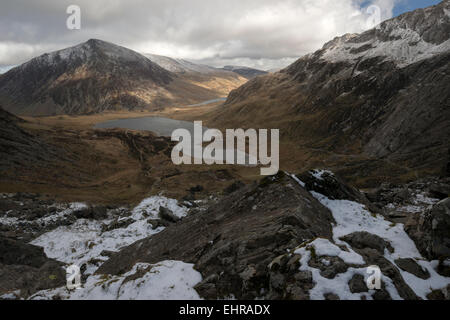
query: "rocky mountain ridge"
179, 65
97, 76
247, 72
382, 94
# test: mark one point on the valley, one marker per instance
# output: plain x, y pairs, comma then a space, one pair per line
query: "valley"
86, 175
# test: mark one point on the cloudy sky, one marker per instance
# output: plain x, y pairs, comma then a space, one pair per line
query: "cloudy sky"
259, 33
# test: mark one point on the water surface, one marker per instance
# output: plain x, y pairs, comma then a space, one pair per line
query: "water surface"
159, 125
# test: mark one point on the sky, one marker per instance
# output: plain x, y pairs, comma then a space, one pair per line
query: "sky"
264, 34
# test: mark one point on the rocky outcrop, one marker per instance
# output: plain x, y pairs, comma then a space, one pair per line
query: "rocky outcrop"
25, 269
431, 231
327, 183
252, 243
233, 241
272, 239
382, 94
411, 266
361, 240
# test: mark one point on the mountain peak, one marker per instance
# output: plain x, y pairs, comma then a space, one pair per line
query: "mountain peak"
92, 76
405, 39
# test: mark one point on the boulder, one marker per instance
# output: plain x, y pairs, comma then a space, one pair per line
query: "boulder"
15, 252
117, 224
411, 266
26, 268
167, 215
373, 257
331, 186
364, 239
91, 212
357, 284
431, 230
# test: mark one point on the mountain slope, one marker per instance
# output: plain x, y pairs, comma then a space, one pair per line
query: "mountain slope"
22, 149
179, 65
246, 72
383, 94
97, 76
93, 76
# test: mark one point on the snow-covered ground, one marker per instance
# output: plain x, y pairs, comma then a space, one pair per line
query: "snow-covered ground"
166, 280
402, 40
84, 241
352, 217
401, 51
61, 213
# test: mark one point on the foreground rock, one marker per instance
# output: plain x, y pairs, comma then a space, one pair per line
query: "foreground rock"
234, 240
25, 269
431, 231
276, 240
286, 237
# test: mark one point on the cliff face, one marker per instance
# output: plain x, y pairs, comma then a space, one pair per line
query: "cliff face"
383, 93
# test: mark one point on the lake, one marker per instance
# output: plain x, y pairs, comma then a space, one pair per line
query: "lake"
159, 125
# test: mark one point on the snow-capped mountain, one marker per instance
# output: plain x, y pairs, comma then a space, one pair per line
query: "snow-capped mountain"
383, 94
90, 77
412, 37
98, 76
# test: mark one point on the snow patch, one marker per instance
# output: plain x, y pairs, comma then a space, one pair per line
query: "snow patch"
166, 280
84, 240
353, 217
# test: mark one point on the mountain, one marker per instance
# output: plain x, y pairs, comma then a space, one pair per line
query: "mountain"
246, 72
92, 76
179, 65
382, 94
98, 76
185, 66
21, 149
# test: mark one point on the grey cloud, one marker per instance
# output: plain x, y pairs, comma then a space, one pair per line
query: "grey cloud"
257, 32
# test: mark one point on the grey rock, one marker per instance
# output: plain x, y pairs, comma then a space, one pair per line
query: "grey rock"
331, 296
431, 230
440, 190
26, 268
411, 266
118, 224
364, 239
168, 215
304, 276
357, 284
